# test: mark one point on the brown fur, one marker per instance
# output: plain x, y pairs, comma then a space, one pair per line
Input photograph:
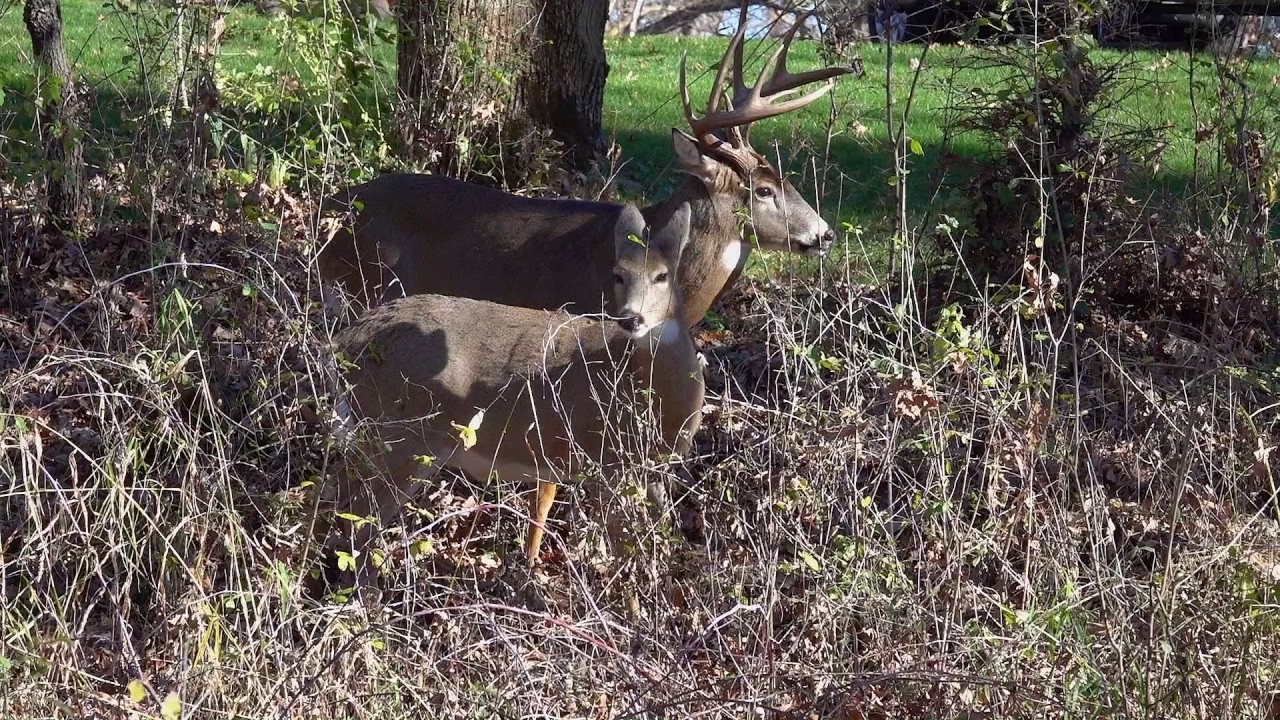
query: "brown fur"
555, 387
429, 234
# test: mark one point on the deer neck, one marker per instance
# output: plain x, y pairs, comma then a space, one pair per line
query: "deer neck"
668, 364
717, 251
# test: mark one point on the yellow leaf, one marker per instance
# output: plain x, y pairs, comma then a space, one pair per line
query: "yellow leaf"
354, 519
810, 560
171, 708
137, 691
467, 433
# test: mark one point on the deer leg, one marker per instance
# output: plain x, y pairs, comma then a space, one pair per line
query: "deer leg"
546, 495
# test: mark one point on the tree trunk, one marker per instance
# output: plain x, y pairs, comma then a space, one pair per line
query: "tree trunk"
62, 108
478, 78
563, 88
636, 10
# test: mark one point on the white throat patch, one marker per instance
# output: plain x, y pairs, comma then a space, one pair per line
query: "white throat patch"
731, 256
668, 331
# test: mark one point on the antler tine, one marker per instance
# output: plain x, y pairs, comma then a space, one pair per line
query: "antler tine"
714, 118
782, 80
773, 84
765, 99
740, 89
732, 58
684, 93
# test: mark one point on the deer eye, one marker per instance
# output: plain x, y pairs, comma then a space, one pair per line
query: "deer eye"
618, 279
764, 192
660, 277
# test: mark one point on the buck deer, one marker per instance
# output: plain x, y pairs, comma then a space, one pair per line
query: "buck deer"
547, 382
427, 234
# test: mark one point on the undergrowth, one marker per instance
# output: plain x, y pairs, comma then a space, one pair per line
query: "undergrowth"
1033, 479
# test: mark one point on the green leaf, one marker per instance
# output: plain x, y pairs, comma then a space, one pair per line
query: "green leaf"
916, 147
346, 561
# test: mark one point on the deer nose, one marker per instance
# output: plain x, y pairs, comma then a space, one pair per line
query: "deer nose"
629, 322
828, 238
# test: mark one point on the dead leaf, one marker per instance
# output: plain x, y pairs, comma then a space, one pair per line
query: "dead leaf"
912, 397
1262, 461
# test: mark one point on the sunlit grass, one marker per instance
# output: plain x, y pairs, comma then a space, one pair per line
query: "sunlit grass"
837, 150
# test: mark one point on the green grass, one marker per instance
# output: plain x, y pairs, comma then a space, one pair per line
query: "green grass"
641, 104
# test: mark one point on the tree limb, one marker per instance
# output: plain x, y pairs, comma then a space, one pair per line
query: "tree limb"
684, 16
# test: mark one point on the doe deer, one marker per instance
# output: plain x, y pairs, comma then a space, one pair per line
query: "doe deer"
551, 385
428, 234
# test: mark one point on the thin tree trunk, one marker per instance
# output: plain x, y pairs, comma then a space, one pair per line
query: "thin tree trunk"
62, 109
454, 58
636, 10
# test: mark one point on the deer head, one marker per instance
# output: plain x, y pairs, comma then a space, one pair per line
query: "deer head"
719, 153
644, 274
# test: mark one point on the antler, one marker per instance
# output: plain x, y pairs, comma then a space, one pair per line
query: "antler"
764, 100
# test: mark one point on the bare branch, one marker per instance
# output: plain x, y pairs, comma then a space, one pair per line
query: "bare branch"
686, 15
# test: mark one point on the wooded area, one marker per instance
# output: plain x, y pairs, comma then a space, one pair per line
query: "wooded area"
518, 358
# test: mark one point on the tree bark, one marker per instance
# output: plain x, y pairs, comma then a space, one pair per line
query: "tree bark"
495, 72
62, 109
563, 88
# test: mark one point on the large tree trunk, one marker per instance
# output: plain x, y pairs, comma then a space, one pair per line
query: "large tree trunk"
477, 78
62, 108
563, 88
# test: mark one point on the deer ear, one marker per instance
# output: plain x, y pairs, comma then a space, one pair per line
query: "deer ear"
674, 236
692, 161
630, 223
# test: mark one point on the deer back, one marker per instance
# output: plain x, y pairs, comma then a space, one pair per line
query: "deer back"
415, 234
551, 384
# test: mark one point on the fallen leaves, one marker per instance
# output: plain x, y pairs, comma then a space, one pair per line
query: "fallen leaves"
911, 396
